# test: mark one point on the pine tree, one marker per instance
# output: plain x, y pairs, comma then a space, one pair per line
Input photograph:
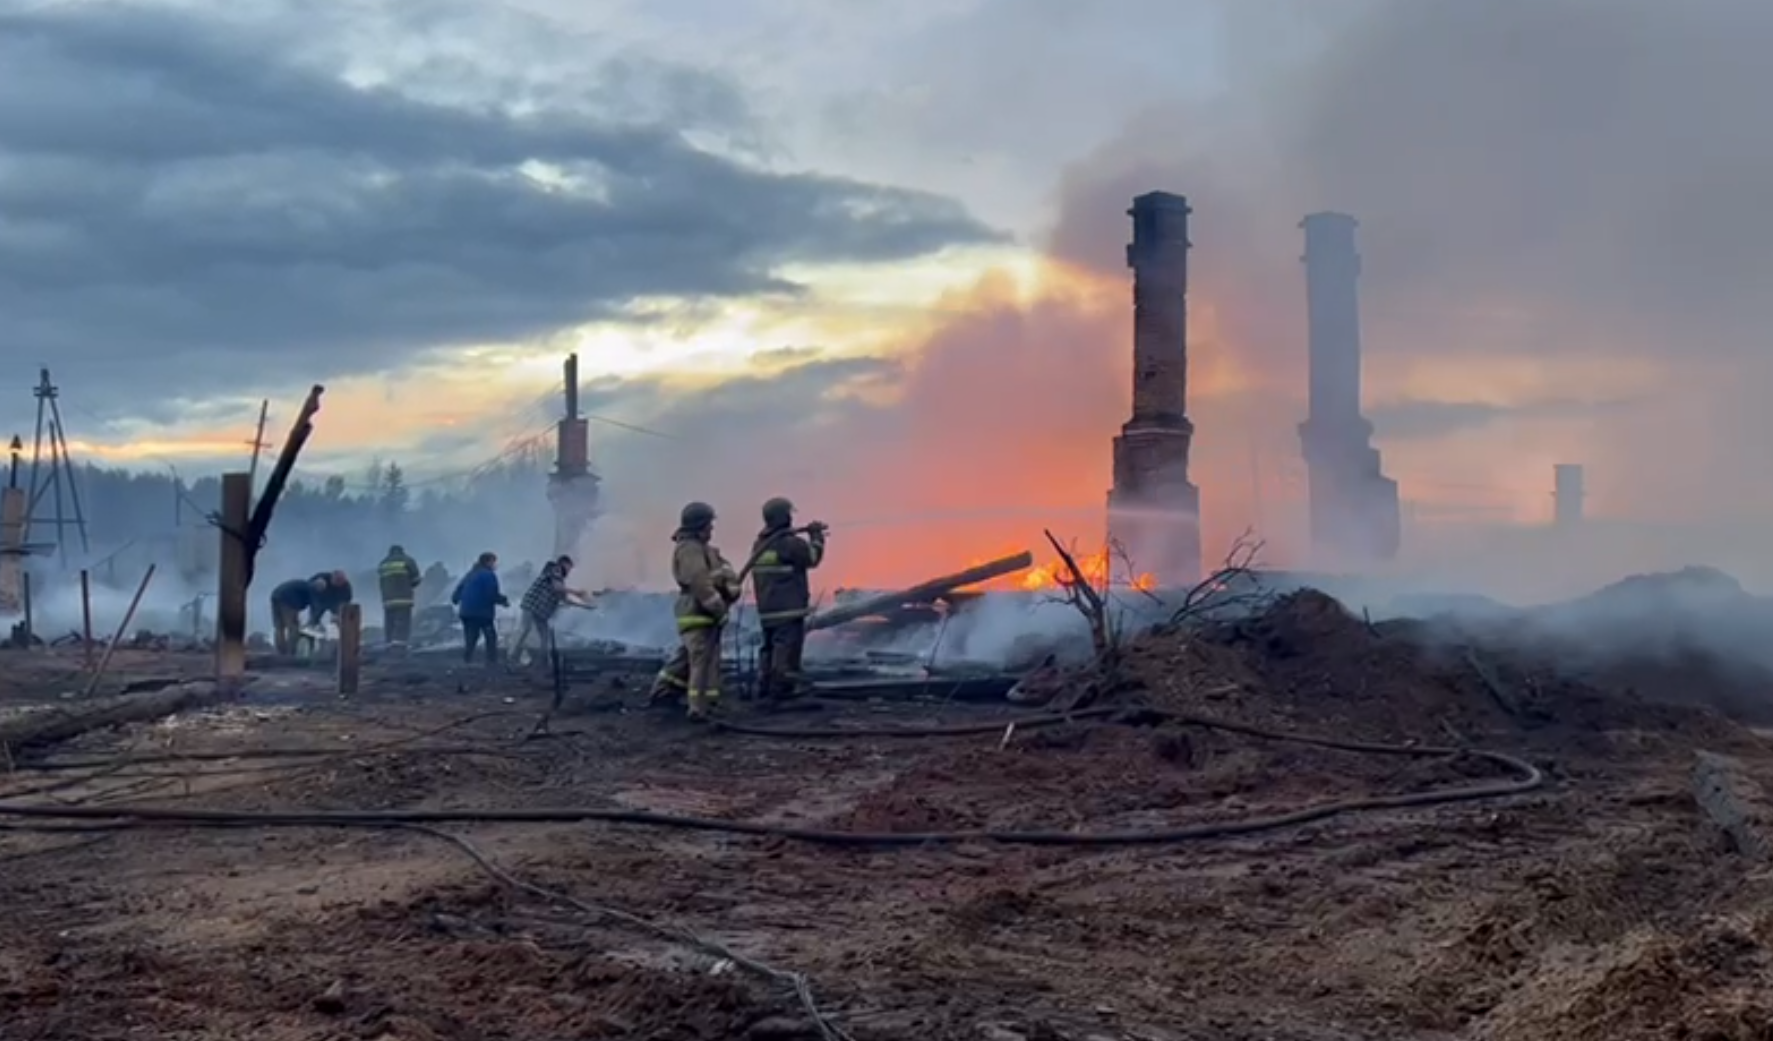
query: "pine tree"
394, 493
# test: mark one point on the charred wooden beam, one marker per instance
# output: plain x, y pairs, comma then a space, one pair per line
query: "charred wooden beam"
254, 535
923, 592
36, 730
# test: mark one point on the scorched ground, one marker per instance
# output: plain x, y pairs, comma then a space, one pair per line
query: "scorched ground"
1604, 905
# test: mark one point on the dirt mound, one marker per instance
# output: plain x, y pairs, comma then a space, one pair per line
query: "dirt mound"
1711, 984
1688, 637
1306, 663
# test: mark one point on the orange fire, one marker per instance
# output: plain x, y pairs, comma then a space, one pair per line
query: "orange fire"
1098, 570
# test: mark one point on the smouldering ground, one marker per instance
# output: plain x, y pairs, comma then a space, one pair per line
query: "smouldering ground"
1484, 920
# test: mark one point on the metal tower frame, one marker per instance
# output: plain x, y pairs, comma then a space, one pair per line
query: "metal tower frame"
56, 473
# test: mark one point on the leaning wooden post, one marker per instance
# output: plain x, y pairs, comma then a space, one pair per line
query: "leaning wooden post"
350, 647
86, 617
230, 609
122, 627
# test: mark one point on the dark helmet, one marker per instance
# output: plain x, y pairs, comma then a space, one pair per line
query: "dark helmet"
397, 550
778, 512
696, 515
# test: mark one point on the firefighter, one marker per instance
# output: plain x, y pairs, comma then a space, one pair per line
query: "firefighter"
400, 579
780, 560
707, 587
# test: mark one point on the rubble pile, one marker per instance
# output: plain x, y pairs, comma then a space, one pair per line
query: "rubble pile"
1306, 663
1689, 637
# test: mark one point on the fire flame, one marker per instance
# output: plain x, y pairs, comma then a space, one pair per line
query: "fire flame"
1098, 570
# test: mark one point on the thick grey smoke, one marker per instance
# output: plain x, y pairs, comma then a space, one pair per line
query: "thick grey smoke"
1565, 256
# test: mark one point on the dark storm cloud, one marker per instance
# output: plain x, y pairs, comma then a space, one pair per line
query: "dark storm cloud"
190, 205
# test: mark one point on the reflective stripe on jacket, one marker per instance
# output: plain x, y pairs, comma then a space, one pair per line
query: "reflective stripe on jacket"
704, 583
399, 578
779, 574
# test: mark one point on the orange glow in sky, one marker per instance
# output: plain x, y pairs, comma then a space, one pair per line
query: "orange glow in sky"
1017, 378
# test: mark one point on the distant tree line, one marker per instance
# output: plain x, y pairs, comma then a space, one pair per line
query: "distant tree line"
322, 521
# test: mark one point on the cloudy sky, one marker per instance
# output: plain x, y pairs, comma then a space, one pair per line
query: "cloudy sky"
869, 255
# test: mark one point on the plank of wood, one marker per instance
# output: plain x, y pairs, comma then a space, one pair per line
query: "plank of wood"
34, 731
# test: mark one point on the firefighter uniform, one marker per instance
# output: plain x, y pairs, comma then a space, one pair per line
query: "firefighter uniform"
400, 579
780, 562
707, 586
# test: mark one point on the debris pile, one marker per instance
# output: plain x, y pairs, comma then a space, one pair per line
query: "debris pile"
1306, 663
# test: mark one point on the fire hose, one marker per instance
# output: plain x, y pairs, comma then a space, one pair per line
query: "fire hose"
1527, 778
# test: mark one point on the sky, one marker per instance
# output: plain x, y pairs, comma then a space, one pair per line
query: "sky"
871, 257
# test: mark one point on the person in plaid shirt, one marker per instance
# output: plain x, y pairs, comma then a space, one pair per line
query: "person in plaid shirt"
541, 602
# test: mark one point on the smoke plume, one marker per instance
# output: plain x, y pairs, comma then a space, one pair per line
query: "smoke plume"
1564, 245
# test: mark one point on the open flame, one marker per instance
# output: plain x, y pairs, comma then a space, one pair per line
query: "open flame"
1099, 569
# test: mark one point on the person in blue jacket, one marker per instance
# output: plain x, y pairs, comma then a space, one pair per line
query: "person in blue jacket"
477, 598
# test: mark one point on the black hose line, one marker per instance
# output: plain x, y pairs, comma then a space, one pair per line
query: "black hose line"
1527, 778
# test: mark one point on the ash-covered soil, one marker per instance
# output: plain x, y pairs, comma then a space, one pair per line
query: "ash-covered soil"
1603, 906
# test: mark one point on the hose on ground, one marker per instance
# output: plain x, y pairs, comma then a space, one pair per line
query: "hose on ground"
1527, 778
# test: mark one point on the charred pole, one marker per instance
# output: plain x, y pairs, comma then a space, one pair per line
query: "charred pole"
572, 487
1354, 506
1153, 509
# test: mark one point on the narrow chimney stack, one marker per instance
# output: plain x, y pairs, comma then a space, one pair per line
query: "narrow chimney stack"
1354, 506
1153, 508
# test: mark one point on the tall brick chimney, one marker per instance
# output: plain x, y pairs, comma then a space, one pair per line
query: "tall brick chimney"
1354, 506
1153, 509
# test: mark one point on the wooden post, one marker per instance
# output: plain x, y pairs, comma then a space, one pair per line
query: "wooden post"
230, 605
122, 627
30, 623
12, 548
86, 617
350, 647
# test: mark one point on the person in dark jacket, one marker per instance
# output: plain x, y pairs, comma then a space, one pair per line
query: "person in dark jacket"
332, 592
400, 579
477, 598
288, 601
780, 560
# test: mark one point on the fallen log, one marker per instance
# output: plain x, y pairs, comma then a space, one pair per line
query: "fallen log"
923, 592
36, 730
1735, 803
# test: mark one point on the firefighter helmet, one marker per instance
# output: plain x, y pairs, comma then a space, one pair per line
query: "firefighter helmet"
778, 512
697, 515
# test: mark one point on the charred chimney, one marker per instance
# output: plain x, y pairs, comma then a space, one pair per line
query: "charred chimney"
1354, 506
1153, 509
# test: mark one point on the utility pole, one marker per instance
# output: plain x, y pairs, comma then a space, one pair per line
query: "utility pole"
1256, 519
56, 471
258, 440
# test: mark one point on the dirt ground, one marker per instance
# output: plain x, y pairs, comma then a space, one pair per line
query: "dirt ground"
1602, 906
